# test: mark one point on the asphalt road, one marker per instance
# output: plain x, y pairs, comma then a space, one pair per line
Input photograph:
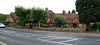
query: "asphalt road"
12, 36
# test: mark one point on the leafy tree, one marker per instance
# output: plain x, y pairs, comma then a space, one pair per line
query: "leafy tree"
68, 12
22, 14
39, 15
73, 11
89, 11
2, 17
59, 20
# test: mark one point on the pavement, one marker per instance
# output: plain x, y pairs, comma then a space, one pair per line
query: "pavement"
14, 36
1, 43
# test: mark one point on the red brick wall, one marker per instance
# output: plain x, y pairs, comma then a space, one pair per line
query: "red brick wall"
76, 21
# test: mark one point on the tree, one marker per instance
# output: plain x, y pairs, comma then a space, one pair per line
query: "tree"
59, 20
89, 11
68, 12
2, 17
73, 11
22, 15
39, 15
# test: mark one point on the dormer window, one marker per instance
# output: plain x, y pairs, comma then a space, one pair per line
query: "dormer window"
68, 19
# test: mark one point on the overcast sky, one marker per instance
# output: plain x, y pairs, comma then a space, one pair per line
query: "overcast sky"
7, 6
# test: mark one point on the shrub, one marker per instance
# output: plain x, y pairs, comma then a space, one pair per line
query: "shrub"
12, 24
59, 20
5, 23
95, 26
35, 25
27, 24
43, 25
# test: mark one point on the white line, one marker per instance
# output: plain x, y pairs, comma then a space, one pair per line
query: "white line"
98, 40
30, 34
71, 40
56, 37
8, 31
22, 35
55, 42
68, 39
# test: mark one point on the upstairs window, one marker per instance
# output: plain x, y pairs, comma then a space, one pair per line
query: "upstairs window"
9, 18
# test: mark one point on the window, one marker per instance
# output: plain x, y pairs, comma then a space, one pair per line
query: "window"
68, 19
9, 18
72, 19
83, 25
69, 24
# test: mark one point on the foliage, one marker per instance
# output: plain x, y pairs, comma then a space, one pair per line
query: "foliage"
5, 23
95, 26
73, 11
23, 15
43, 25
89, 11
2, 17
68, 12
12, 24
27, 24
39, 14
59, 20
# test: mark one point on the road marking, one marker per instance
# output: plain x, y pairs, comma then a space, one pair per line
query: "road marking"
22, 35
55, 42
8, 31
98, 40
52, 38
71, 40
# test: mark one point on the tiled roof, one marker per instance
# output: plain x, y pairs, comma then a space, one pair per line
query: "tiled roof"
14, 17
71, 16
66, 15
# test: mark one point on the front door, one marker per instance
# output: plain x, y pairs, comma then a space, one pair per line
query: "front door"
74, 25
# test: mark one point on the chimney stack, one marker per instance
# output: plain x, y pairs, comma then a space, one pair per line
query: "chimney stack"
64, 12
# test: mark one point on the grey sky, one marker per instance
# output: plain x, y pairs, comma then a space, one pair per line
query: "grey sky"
7, 6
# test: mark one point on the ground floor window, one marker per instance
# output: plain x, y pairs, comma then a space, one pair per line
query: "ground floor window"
69, 24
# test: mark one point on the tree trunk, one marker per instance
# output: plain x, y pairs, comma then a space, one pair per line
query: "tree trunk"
24, 24
30, 25
39, 24
87, 27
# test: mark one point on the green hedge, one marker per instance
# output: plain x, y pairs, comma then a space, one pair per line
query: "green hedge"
95, 26
42, 25
5, 23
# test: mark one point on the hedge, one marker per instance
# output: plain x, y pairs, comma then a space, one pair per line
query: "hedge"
5, 23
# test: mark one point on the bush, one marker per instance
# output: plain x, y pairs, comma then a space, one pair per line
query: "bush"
13, 24
95, 26
27, 24
36, 25
5, 23
43, 25
59, 21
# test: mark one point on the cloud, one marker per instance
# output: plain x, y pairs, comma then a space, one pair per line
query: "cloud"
7, 6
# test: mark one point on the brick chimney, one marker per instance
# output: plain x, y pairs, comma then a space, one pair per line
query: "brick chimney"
64, 12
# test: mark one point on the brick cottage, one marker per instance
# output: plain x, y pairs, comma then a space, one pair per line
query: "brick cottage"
71, 19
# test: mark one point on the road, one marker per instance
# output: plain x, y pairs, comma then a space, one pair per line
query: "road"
12, 36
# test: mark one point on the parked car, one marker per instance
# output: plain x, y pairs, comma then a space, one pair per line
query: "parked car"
2, 25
